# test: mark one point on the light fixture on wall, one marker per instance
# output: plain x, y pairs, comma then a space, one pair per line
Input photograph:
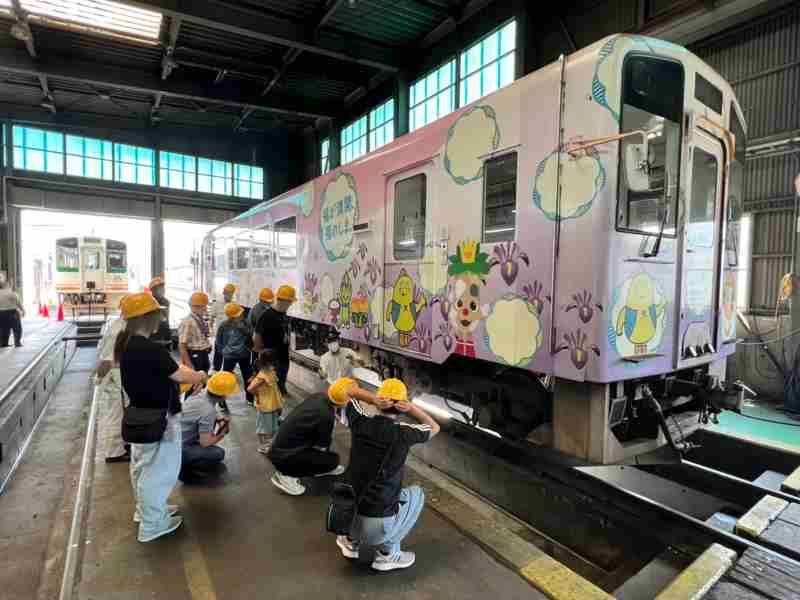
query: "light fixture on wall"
351, 3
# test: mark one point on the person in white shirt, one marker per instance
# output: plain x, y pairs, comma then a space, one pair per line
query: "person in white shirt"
337, 362
11, 311
110, 391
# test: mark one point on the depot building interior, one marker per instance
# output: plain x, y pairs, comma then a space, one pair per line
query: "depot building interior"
570, 229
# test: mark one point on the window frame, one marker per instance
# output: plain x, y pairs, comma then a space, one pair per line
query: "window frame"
139, 166
496, 157
681, 149
164, 167
395, 229
453, 85
463, 75
279, 262
388, 124
324, 155
25, 148
354, 141
106, 163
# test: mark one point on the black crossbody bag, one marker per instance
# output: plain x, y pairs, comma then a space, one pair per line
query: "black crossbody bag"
343, 507
142, 425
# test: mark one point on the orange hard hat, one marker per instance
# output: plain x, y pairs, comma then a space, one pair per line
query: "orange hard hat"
339, 391
198, 299
266, 295
155, 282
286, 292
233, 310
229, 288
136, 305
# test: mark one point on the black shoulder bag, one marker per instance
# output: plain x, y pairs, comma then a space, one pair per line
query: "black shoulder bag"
143, 425
343, 507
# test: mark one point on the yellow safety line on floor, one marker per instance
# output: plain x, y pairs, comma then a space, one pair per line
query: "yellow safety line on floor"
792, 483
758, 518
195, 567
699, 577
559, 582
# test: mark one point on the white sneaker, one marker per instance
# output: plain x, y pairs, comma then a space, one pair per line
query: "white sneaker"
337, 471
401, 560
174, 523
172, 510
290, 485
264, 449
349, 548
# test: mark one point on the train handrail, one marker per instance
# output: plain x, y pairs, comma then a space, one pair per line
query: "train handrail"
11, 387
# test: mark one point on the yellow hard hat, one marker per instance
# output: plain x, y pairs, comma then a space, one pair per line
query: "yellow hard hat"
286, 292
185, 387
339, 391
233, 310
155, 282
136, 305
198, 299
229, 288
223, 384
266, 295
393, 389
121, 300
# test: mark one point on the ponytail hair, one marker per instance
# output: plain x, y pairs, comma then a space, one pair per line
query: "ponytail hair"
121, 344
144, 325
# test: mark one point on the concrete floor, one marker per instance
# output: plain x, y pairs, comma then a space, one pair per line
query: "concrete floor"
242, 538
37, 504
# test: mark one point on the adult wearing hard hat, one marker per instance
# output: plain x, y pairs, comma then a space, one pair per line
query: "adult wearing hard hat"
150, 378
387, 511
266, 298
110, 393
217, 315
301, 447
158, 289
272, 333
194, 333
202, 429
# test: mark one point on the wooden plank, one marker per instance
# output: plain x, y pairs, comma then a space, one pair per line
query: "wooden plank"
695, 581
783, 536
559, 582
787, 567
791, 514
772, 480
728, 590
758, 518
791, 485
766, 580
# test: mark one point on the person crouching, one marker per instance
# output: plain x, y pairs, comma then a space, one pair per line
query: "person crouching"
301, 447
202, 429
386, 511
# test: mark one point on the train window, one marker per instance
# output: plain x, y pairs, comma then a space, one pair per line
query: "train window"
242, 257
500, 198
91, 260
67, 255
231, 259
708, 93
652, 102
735, 190
409, 217
286, 236
219, 261
703, 202
261, 251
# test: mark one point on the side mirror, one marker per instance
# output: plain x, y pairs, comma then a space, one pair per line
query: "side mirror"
637, 165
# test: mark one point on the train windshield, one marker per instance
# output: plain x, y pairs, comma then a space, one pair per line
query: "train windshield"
67, 255
652, 105
116, 257
91, 259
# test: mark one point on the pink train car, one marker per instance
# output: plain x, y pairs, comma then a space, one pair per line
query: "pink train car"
556, 260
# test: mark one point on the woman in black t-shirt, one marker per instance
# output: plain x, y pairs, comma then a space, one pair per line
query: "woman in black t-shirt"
150, 378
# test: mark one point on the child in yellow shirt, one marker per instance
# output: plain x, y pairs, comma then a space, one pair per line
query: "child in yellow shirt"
268, 400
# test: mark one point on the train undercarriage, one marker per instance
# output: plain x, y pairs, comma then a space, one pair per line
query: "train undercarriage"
601, 423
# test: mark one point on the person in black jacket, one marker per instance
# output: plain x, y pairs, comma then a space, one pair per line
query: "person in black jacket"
272, 333
387, 511
301, 447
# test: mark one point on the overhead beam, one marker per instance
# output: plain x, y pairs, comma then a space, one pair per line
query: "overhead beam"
15, 61
248, 23
328, 10
167, 62
22, 22
458, 15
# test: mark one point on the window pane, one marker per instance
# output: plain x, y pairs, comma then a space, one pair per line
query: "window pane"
74, 144
145, 156
446, 75
507, 70
474, 58
55, 141
473, 87
508, 38
409, 218
33, 138
204, 166
204, 183
499, 198
145, 175
34, 160
19, 158
490, 79
55, 162
75, 166
490, 45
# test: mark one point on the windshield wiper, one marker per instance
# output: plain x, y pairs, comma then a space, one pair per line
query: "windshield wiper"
657, 246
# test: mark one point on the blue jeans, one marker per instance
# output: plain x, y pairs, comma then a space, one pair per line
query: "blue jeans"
387, 532
154, 473
197, 458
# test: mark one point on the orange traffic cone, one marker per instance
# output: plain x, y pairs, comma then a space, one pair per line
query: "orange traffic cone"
40, 310
45, 312
60, 312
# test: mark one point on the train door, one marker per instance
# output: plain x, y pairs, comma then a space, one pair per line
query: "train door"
701, 250
413, 268
92, 268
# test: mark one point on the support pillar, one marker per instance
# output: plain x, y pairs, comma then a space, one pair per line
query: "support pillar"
401, 113
157, 242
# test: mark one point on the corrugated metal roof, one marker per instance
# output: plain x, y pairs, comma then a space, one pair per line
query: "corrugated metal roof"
394, 22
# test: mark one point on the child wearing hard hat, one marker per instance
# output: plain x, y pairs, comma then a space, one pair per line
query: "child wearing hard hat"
216, 315
387, 511
202, 429
194, 333
234, 339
